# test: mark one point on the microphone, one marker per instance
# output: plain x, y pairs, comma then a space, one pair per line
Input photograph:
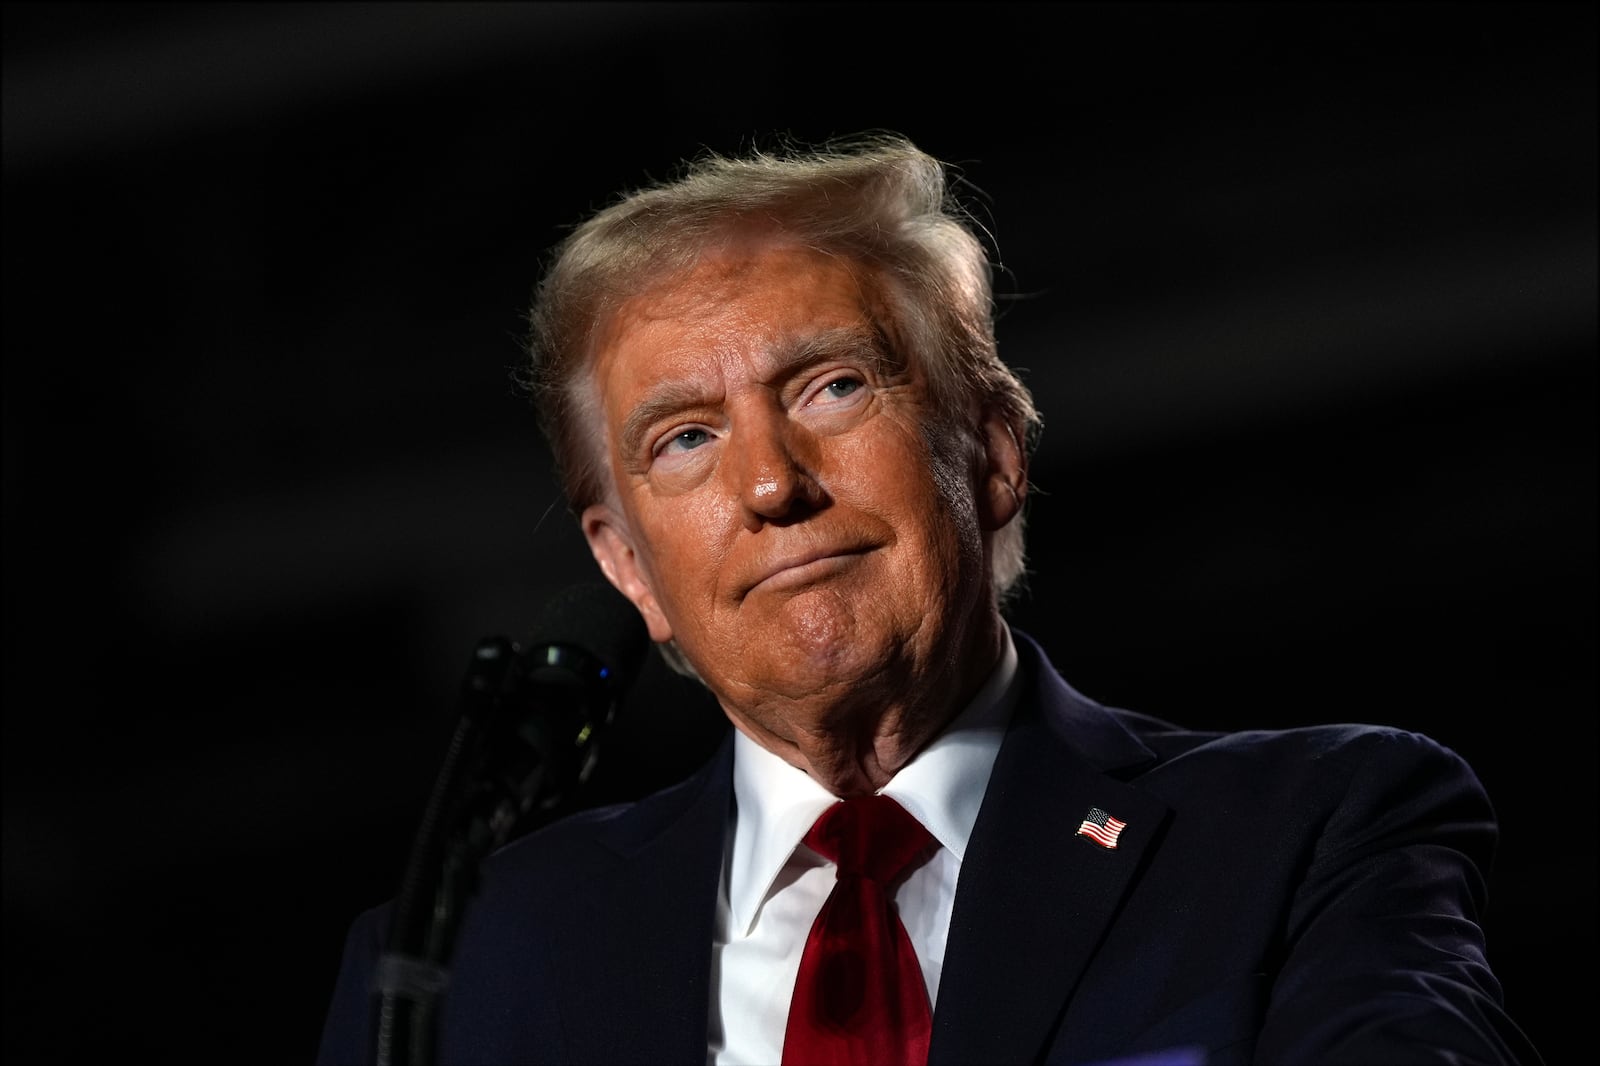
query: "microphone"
582, 652
532, 717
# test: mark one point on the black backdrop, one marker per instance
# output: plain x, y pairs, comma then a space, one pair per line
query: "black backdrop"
1306, 293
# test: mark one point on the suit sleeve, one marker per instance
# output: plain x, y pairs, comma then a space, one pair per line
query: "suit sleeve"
348, 1030
1384, 953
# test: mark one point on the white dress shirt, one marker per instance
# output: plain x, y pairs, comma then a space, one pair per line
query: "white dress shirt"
773, 887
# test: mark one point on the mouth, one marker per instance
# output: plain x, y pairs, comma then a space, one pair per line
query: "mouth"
805, 568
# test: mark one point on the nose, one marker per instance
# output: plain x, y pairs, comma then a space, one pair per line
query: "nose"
773, 469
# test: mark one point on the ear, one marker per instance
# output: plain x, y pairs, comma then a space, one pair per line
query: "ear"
612, 545
1004, 478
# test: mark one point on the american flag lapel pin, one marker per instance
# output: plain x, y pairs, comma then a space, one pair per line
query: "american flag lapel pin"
1101, 828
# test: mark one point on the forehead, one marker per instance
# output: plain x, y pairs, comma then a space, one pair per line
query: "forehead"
743, 315
740, 293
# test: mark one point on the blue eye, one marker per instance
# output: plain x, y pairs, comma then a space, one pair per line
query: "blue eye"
842, 387
688, 440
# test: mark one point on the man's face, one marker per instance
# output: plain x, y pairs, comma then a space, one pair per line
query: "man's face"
786, 505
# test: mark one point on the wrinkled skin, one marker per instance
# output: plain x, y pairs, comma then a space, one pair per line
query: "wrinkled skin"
786, 506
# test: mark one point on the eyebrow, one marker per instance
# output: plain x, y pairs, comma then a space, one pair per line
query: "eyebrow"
862, 342
663, 400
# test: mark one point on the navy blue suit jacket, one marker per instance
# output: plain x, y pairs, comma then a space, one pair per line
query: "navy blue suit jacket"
1305, 896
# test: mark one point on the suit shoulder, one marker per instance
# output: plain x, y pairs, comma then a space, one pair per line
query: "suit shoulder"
1361, 750
593, 840
1333, 743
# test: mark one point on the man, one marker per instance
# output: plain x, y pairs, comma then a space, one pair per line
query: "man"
774, 396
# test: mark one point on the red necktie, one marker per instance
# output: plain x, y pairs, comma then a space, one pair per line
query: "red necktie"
860, 999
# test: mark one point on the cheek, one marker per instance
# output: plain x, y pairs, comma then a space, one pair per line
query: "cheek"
689, 538
953, 472
923, 486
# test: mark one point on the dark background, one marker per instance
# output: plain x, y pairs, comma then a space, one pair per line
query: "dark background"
1305, 292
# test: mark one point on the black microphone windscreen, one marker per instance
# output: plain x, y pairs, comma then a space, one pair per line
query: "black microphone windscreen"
594, 616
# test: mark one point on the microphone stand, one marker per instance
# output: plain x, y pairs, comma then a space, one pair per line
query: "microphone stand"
527, 735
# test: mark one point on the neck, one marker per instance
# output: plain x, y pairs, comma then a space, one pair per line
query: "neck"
853, 746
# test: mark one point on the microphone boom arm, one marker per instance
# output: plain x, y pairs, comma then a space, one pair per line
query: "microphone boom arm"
528, 735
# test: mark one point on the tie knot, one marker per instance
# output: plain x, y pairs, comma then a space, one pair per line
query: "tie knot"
870, 836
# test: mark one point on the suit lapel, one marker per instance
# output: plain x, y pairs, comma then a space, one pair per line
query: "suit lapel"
1033, 903
1035, 897
639, 943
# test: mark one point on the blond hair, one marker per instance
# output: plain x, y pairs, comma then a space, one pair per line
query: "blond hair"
876, 199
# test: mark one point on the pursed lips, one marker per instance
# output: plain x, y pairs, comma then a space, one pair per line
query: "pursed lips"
803, 567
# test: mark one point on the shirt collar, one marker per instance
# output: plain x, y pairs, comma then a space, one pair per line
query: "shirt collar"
942, 787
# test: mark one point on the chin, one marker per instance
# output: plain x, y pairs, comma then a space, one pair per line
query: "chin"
824, 642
